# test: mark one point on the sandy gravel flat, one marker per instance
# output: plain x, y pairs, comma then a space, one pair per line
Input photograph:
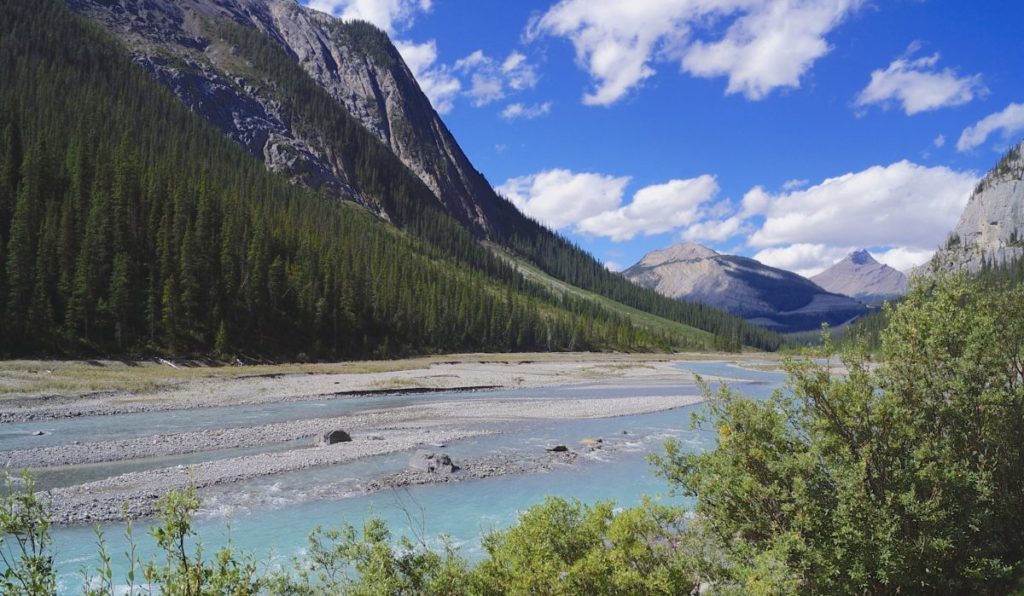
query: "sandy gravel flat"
243, 389
288, 445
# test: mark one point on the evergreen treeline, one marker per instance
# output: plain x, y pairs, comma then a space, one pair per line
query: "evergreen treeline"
412, 205
128, 223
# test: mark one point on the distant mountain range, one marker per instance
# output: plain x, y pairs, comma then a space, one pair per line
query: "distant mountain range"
860, 276
770, 297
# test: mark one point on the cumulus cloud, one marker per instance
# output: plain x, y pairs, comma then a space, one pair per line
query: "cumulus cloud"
903, 204
811, 259
919, 86
654, 209
593, 203
518, 110
764, 45
1009, 121
904, 259
389, 15
940, 141
770, 46
436, 80
715, 230
491, 79
558, 197
803, 258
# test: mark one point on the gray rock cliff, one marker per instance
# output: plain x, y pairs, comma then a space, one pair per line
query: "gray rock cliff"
354, 62
991, 228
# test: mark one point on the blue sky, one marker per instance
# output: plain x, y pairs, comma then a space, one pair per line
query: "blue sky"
789, 130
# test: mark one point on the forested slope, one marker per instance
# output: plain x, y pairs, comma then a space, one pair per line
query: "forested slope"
127, 223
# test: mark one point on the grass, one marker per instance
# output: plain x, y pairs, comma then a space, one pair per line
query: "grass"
74, 378
638, 317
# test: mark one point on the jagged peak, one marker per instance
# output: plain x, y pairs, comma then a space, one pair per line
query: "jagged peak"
861, 257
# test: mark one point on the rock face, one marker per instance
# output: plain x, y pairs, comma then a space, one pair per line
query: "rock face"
332, 437
991, 228
860, 276
354, 62
767, 296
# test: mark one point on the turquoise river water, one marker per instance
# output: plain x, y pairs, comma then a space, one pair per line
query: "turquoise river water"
271, 517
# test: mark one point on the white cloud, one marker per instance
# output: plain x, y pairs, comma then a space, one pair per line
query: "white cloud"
903, 204
389, 15
919, 86
715, 230
904, 259
490, 80
518, 110
654, 209
1010, 121
766, 44
803, 259
795, 183
940, 141
770, 46
592, 203
613, 266
436, 80
558, 198
519, 73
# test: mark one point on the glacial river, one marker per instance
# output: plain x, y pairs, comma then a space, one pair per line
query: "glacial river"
271, 517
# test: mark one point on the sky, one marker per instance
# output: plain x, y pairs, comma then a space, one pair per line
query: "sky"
790, 131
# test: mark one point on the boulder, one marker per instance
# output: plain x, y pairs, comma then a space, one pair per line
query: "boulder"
435, 463
591, 442
332, 437
557, 448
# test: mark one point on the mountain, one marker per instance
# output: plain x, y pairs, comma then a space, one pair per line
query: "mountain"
145, 206
860, 276
764, 295
184, 45
332, 105
990, 232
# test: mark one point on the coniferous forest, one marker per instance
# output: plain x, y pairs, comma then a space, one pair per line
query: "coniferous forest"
128, 224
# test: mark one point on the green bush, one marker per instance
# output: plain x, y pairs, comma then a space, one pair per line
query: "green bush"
907, 477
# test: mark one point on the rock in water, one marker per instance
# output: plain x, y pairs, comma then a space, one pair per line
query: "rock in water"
332, 437
557, 448
435, 463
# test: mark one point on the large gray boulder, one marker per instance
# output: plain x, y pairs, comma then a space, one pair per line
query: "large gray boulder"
435, 463
332, 437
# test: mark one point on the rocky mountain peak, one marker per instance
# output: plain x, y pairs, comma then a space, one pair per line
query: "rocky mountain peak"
860, 276
861, 257
991, 228
684, 251
764, 295
354, 62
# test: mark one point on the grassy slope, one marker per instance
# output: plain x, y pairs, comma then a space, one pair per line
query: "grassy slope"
638, 317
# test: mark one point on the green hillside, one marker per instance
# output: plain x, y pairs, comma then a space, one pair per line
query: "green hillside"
128, 224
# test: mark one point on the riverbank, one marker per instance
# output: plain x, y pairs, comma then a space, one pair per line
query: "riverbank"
387, 423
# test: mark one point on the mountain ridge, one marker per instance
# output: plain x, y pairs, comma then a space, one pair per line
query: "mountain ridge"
767, 296
308, 153
860, 276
